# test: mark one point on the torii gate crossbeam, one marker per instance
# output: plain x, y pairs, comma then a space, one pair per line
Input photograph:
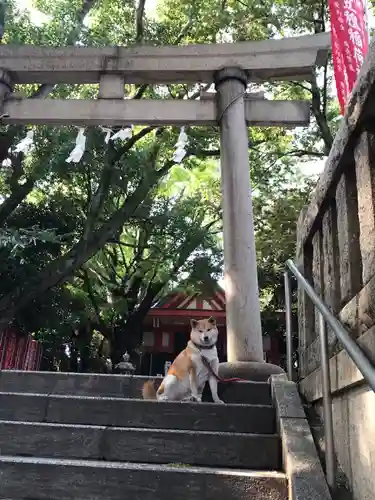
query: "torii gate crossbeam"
285, 59
112, 112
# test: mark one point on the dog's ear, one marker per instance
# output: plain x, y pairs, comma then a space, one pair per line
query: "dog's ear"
212, 320
193, 323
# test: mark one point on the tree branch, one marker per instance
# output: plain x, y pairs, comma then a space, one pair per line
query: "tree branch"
198, 92
325, 89
111, 259
103, 279
299, 84
11, 203
323, 14
3, 6
303, 152
184, 31
91, 296
321, 120
124, 261
139, 21
100, 195
132, 141
203, 153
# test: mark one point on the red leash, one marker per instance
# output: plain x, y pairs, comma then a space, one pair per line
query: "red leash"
219, 379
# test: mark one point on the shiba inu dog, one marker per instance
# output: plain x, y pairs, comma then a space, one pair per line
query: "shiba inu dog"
193, 367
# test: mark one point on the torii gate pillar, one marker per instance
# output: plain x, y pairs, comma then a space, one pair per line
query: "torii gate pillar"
244, 332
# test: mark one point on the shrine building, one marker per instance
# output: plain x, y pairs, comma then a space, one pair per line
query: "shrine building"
166, 329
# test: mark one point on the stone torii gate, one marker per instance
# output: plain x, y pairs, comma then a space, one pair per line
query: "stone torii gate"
231, 67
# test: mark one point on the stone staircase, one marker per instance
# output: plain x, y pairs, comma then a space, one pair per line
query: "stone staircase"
89, 437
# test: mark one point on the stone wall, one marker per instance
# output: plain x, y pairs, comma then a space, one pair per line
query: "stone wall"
353, 416
336, 253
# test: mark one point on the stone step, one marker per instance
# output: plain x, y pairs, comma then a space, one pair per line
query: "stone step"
87, 384
159, 446
41, 478
120, 412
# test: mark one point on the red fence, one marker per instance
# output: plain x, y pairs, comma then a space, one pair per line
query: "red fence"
19, 352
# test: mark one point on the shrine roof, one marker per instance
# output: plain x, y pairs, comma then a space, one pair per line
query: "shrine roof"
178, 303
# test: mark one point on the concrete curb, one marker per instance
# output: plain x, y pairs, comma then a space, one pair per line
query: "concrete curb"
299, 455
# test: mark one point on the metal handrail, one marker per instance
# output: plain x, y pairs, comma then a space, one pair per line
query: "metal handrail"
352, 348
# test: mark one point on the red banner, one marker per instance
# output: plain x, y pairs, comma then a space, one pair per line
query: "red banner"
349, 43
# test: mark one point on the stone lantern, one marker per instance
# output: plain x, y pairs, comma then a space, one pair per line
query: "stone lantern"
125, 366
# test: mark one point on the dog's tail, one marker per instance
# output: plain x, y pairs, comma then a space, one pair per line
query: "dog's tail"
148, 390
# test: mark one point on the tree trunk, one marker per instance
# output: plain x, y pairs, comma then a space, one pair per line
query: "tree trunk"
84, 362
73, 359
83, 342
14, 200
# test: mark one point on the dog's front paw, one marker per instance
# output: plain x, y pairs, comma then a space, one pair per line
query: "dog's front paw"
196, 399
219, 402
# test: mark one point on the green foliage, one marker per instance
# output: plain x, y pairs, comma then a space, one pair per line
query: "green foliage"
19, 239
275, 222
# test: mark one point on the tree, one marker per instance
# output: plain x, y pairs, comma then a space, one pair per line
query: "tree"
162, 244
